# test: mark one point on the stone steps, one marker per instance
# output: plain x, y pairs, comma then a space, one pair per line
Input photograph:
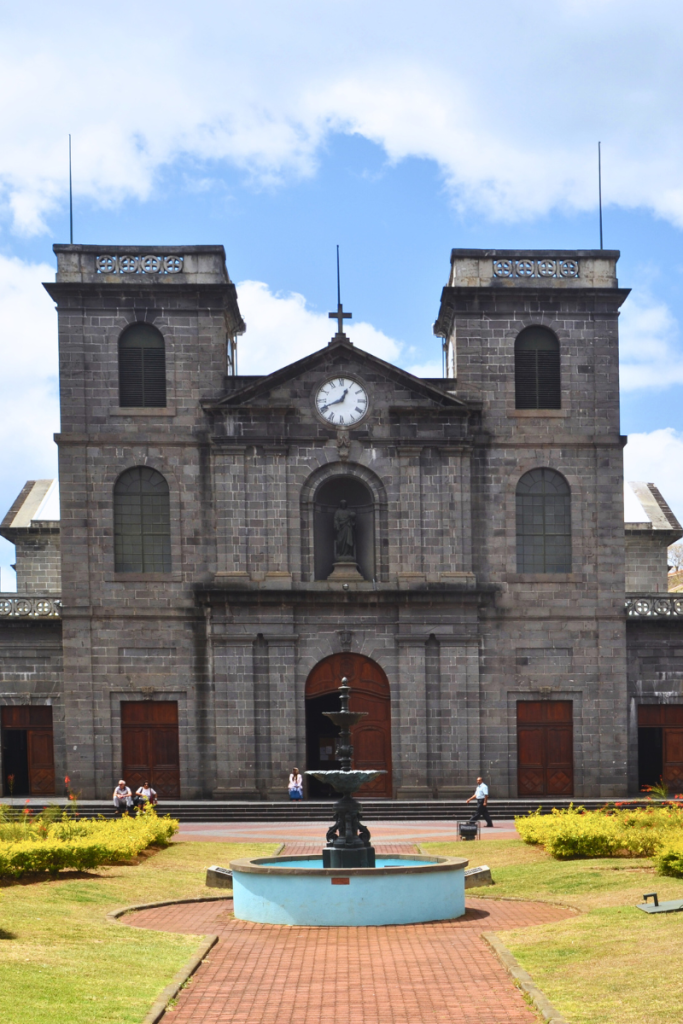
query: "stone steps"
188, 811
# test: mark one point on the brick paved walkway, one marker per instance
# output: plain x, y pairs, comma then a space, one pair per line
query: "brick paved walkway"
300, 831
307, 849
441, 973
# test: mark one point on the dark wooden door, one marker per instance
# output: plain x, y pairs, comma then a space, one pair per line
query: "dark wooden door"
545, 745
149, 745
371, 738
28, 738
665, 722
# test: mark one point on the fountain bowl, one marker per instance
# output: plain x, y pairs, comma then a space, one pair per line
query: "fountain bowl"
346, 782
403, 889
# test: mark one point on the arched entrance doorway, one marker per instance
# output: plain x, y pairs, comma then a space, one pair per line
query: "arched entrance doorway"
371, 738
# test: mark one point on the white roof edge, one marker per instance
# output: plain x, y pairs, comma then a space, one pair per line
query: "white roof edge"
652, 505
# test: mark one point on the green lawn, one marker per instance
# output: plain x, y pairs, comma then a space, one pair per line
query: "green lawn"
62, 963
611, 964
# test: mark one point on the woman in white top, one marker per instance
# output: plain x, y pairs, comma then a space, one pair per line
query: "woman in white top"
147, 794
296, 785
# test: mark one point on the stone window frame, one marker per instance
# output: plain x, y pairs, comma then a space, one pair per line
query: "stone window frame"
564, 340
577, 498
381, 518
160, 321
111, 474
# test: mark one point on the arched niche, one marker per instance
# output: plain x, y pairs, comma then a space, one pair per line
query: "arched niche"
359, 499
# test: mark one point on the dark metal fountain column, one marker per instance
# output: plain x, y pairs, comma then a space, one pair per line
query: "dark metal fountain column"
348, 840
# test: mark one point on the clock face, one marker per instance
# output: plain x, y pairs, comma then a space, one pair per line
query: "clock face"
341, 401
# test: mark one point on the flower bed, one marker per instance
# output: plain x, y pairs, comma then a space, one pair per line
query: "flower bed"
610, 832
50, 844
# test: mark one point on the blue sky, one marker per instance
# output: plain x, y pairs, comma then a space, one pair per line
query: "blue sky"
280, 130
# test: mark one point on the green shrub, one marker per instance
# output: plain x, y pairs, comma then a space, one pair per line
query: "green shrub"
80, 843
574, 832
669, 859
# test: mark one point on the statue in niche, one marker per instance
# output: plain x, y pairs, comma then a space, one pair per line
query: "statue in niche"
344, 534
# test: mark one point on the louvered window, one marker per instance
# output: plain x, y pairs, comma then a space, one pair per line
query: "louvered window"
142, 367
537, 370
544, 531
142, 522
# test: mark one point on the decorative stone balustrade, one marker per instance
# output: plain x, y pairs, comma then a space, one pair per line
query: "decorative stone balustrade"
30, 607
654, 606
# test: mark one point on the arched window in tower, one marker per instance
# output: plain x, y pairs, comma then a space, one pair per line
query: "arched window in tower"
544, 534
142, 367
537, 369
344, 528
142, 522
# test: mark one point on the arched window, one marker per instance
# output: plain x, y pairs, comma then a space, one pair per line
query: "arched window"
544, 532
142, 367
359, 501
142, 522
537, 369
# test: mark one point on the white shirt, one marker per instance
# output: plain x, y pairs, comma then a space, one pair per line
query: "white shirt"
481, 791
295, 782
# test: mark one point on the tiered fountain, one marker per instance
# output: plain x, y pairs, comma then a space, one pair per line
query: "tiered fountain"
348, 884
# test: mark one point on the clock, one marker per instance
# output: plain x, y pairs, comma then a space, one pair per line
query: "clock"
341, 401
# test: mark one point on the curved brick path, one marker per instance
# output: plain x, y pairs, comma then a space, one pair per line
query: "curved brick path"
441, 973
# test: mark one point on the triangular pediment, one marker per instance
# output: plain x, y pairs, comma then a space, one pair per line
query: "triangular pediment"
337, 357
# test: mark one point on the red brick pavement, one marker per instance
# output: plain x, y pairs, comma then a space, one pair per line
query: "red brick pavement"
440, 973
304, 849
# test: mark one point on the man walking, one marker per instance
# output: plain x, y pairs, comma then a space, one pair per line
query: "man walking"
481, 795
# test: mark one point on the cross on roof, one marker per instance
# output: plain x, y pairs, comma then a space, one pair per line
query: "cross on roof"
340, 316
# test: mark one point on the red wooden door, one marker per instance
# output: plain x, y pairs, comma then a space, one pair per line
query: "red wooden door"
371, 738
149, 745
668, 718
545, 761
36, 722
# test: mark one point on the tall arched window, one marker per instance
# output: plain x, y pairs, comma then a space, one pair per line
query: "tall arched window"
544, 532
537, 369
142, 367
142, 522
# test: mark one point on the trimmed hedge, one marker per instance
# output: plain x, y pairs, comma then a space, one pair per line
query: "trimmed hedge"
573, 832
52, 846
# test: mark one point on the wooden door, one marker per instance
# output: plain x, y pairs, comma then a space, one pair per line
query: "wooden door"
545, 761
669, 719
149, 745
35, 723
371, 738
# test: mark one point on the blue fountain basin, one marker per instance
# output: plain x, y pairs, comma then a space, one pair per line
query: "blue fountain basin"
300, 891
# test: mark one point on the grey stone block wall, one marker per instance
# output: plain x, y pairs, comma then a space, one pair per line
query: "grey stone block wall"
38, 560
646, 561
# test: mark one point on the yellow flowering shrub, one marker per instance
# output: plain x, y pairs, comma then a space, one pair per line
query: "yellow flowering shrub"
80, 843
574, 832
669, 859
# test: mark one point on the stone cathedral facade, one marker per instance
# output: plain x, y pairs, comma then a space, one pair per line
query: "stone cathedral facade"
190, 615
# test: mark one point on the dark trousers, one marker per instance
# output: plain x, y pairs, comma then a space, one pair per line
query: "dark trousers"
482, 811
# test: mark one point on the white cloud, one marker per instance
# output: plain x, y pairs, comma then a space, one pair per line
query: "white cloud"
657, 457
28, 385
648, 345
282, 329
508, 100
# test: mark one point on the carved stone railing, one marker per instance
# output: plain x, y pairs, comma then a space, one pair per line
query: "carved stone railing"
30, 607
149, 264
536, 268
654, 606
